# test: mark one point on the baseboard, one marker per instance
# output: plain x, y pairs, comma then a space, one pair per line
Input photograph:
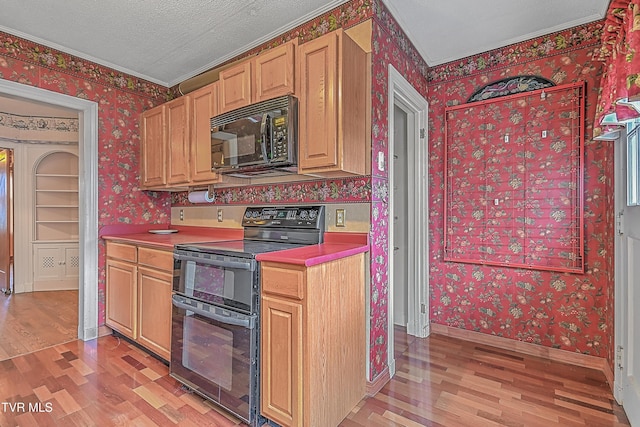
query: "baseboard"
530, 349
104, 330
373, 387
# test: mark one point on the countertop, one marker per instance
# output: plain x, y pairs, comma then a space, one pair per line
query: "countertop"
335, 246
184, 235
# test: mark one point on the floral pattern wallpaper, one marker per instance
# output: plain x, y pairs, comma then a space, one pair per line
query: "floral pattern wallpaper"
344, 190
568, 311
390, 46
120, 98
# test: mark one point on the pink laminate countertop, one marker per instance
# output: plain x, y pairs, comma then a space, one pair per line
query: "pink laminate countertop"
184, 235
336, 246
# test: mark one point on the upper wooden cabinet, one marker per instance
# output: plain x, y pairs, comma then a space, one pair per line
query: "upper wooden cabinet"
178, 134
164, 146
332, 90
176, 141
266, 76
204, 105
153, 148
235, 87
274, 72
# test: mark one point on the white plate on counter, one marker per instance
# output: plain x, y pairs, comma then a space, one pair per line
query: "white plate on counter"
166, 231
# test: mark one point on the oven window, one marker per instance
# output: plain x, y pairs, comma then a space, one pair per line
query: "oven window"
208, 351
220, 285
213, 354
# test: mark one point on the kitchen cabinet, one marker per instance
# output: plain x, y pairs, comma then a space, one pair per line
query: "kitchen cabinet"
155, 276
235, 86
138, 294
165, 144
153, 148
332, 74
312, 341
204, 105
121, 288
266, 76
176, 141
274, 72
178, 122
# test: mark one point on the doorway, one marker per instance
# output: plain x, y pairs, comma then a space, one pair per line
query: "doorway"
88, 196
408, 202
627, 271
6, 220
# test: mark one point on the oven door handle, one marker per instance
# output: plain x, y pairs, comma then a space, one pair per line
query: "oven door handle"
248, 323
240, 265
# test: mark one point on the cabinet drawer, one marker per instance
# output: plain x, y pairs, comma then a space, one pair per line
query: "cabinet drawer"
157, 258
283, 279
121, 251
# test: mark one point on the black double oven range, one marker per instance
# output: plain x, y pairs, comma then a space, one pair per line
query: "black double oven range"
215, 343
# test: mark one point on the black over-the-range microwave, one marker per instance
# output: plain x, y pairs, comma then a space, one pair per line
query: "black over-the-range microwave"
257, 139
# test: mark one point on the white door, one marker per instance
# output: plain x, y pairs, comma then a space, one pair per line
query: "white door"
628, 277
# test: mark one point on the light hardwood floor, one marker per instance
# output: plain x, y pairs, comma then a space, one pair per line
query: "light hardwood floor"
440, 381
35, 320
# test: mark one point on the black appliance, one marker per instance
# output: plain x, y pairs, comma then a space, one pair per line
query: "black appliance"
258, 139
216, 306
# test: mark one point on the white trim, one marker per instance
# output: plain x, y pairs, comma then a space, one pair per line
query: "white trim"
403, 94
88, 191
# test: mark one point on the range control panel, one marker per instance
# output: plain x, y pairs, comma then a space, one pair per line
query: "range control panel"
285, 217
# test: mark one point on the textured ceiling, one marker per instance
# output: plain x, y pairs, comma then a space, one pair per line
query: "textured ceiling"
167, 42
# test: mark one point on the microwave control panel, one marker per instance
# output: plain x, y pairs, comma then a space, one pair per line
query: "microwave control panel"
279, 138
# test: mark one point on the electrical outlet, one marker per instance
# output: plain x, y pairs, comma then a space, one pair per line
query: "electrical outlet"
219, 215
340, 217
181, 214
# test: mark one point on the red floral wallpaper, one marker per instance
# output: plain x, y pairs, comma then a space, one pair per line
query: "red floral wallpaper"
573, 312
121, 99
390, 46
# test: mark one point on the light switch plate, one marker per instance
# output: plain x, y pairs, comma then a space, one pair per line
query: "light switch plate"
340, 217
219, 215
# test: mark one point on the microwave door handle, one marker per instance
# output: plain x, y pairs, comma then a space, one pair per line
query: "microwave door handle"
248, 323
264, 133
240, 265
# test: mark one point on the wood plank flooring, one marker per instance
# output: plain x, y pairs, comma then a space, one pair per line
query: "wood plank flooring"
35, 320
440, 381
443, 381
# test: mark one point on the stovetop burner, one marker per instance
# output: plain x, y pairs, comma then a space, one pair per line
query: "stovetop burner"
241, 248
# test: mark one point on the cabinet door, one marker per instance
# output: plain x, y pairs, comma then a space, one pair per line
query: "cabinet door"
121, 297
204, 103
281, 365
154, 311
273, 73
153, 148
318, 102
235, 87
71, 264
178, 119
47, 263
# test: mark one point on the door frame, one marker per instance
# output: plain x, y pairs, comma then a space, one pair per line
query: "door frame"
404, 95
622, 319
88, 192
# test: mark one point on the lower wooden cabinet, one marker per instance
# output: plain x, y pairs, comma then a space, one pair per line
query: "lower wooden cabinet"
138, 294
313, 341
